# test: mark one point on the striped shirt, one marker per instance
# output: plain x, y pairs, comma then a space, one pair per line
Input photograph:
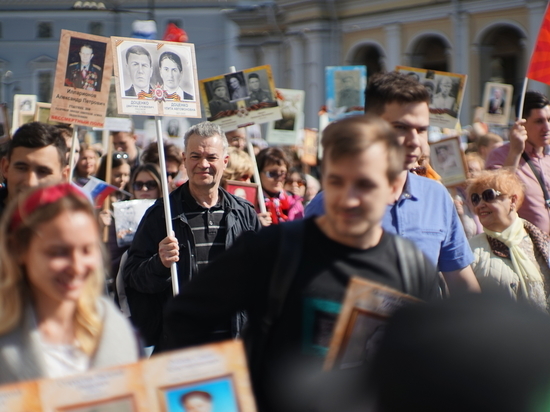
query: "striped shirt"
208, 227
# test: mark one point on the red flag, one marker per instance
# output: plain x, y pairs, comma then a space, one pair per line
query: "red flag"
539, 68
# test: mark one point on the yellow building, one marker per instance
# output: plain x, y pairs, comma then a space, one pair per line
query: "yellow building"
489, 40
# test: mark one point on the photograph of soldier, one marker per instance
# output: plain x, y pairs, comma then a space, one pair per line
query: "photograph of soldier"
140, 67
85, 68
236, 86
348, 88
171, 72
445, 96
256, 93
220, 99
497, 101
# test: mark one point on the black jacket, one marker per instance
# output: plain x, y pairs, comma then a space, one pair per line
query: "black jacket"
148, 282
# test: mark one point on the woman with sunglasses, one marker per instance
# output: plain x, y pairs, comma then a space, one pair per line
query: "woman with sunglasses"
145, 182
54, 321
512, 254
282, 205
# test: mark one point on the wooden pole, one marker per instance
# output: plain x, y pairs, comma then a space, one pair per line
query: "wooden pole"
108, 173
72, 153
166, 200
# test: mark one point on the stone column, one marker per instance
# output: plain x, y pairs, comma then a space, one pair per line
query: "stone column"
393, 46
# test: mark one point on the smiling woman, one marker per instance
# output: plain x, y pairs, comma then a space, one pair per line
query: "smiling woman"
53, 321
512, 254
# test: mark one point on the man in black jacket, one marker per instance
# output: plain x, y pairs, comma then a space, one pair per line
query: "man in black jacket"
362, 165
206, 221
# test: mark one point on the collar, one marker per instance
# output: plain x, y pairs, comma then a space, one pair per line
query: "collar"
531, 152
191, 202
412, 187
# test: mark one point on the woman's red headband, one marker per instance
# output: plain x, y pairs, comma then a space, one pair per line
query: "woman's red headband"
42, 197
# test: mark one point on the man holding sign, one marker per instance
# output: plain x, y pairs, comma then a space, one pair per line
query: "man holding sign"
207, 220
362, 165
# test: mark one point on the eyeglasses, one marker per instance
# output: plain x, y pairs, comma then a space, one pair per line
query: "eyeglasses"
120, 155
489, 195
272, 174
171, 174
149, 185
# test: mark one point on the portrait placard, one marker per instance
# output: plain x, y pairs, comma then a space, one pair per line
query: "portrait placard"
241, 98
448, 161
20, 397
288, 130
127, 216
156, 78
497, 102
365, 311
248, 191
118, 389
4, 123
42, 113
215, 375
345, 90
24, 106
446, 92
82, 78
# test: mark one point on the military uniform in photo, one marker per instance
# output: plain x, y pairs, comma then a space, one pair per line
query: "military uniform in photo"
87, 78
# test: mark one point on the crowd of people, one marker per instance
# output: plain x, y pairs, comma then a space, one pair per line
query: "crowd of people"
382, 215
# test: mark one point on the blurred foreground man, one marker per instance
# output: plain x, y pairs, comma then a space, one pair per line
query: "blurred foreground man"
287, 276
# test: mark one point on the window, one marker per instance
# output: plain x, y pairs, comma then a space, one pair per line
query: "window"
1, 30
44, 30
45, 86
96, 27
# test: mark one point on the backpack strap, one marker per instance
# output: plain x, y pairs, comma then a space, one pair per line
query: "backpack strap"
288, 259
540, 179
411, 263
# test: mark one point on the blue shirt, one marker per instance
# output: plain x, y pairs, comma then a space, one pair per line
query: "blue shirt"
425, 214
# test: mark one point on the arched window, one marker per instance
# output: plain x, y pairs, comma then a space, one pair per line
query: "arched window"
430, 52
501, 57
370, 56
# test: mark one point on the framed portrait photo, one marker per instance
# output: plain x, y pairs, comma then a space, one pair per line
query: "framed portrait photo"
248, 191
288, 130
446, 93
447, 158
155, 78
365, 311
82, 78
212, 394
121, 404
4, 123
345, 90
241, 98
497, 102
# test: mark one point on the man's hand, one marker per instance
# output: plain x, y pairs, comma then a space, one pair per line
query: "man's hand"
169, 250
518, 137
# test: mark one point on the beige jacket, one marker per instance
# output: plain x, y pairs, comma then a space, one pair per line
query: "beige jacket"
21, 357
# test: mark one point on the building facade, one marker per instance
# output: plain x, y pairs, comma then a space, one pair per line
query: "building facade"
487, 40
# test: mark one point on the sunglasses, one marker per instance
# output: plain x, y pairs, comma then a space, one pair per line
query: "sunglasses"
272, 174
149, 185
489, 195
300, 183
120, 155
171, 174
